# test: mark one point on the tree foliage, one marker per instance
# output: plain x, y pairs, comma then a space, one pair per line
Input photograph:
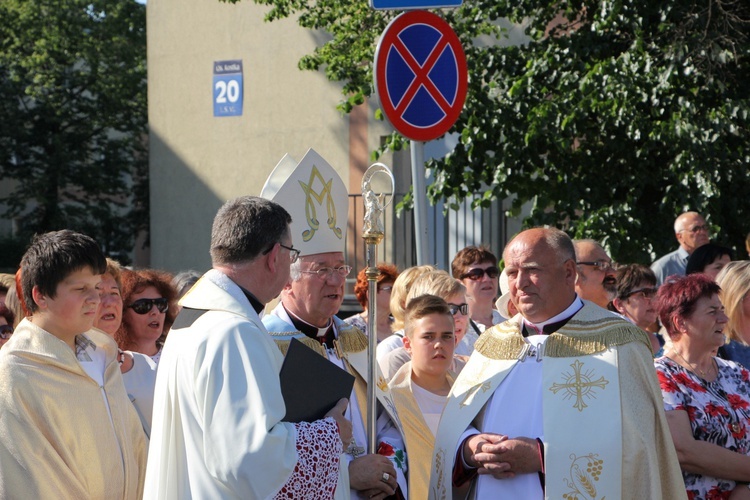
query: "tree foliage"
614, 118
74, 117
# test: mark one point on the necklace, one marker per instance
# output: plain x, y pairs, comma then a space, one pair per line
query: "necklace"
692, 367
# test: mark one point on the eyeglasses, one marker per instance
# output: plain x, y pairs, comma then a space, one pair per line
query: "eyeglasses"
293, 252
648, 293
601, 265
143, 306
6, 331
325, 273
456, 308
695, 229
477, 273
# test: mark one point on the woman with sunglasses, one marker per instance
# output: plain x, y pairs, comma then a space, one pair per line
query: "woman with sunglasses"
443, 285
636, 287
149, 311
148, 299
476, 268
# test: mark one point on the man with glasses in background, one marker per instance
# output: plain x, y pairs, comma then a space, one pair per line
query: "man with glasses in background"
217, 429
596, 280
314, 194
691, 232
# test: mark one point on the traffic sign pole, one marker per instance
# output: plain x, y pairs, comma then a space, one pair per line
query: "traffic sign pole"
421, 230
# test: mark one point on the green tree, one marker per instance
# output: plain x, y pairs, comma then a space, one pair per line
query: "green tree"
74, 118
613, 119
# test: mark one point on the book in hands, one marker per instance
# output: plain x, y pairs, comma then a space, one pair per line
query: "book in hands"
310, 384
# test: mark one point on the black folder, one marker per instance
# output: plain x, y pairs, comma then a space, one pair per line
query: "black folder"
310, 384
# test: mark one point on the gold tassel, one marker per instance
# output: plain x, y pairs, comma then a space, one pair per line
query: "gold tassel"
568, 343
500, 343
283, 344
576, 338
352, 340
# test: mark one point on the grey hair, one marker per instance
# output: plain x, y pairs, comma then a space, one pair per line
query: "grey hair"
295, 270
560, 242
245, 227
576, 244
680, 220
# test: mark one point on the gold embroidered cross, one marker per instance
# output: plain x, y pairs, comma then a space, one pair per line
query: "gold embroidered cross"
579, 384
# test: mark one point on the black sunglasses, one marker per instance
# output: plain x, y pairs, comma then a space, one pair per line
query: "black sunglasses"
5, 331
477, 273
143, 306
455, 308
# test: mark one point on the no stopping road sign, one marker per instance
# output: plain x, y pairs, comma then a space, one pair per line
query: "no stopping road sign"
420, 75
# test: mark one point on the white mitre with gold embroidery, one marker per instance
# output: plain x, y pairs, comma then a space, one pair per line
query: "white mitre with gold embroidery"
316, 198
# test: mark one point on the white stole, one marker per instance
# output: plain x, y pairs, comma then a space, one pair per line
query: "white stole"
580, 398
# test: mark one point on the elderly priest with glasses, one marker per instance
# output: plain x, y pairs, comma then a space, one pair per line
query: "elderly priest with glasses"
317, 199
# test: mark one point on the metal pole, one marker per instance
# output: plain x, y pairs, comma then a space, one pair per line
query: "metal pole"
372, 274
373, 232
420, 203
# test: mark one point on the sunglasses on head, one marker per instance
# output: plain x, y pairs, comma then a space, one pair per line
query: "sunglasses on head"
456, 308
143, 306
5, 331
477, 273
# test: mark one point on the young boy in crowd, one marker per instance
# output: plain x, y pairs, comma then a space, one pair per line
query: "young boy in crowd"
420, 387
67, 428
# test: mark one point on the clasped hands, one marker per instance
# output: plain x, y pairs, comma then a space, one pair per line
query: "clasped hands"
501, 456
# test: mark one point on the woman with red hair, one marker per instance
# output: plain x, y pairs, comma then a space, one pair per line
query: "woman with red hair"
388, 275
706, 399
149, 309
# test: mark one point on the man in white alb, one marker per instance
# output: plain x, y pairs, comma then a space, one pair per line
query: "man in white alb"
534, 413
217, 429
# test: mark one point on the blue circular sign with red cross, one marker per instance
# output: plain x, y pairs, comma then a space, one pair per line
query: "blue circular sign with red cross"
420, 75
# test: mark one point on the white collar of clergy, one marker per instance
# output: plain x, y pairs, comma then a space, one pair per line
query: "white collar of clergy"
321, 331
573, 308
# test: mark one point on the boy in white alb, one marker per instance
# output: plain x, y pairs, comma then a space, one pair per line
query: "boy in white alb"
421, 386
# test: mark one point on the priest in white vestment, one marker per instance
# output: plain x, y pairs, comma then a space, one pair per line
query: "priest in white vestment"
217, 429
316, 197
561, 401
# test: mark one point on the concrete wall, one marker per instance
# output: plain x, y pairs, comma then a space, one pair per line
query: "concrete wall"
198, 161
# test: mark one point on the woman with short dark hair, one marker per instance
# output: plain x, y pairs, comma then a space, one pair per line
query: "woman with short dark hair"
636, 288
708, 259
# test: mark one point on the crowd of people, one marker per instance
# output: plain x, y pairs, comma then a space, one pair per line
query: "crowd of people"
554, 373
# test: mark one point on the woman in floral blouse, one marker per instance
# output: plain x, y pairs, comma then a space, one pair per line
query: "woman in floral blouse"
706, 399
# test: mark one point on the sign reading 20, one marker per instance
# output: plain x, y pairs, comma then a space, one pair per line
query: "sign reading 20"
227, 90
